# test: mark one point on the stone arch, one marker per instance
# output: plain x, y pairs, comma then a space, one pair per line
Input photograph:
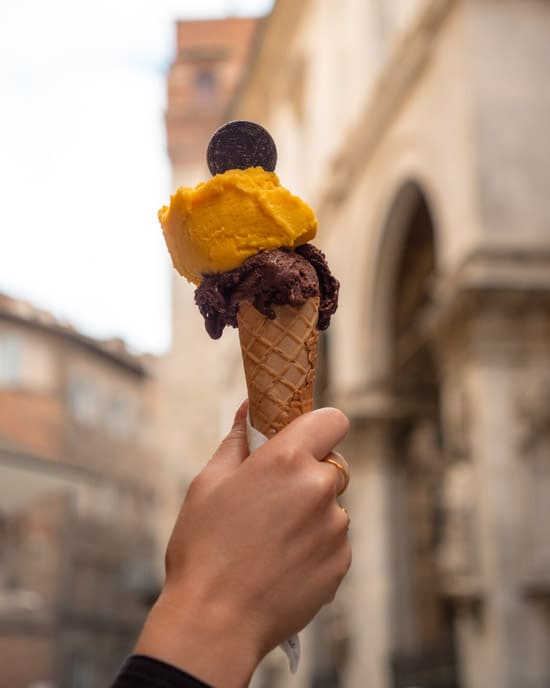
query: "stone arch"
404, 359
408, 203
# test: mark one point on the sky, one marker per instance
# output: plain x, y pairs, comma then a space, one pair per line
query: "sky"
83, 164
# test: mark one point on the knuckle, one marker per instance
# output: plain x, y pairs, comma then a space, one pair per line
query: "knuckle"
192, 492
342, 567
286, 458
296, 455
322, 482
168, 560
195, 486
346, 559
343, 522
286, 454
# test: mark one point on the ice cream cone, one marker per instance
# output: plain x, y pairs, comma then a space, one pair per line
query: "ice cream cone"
279, 358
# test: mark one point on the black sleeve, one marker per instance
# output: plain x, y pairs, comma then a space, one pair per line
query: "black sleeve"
146, 672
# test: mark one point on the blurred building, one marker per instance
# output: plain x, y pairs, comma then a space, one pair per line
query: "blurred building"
417, 129
78, 492
201, 380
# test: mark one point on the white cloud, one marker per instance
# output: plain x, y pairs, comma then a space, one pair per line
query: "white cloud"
83, 168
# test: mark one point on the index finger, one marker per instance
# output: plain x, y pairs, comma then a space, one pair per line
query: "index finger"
317, 432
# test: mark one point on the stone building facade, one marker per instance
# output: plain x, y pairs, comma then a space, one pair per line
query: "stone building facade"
418, 133
79, 487
417, 129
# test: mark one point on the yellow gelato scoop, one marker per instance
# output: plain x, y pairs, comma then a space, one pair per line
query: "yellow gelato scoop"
218, 224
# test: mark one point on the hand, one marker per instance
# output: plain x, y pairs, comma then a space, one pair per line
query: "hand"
258, 547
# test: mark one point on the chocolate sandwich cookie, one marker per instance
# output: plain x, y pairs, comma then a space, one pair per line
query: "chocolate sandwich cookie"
239, 145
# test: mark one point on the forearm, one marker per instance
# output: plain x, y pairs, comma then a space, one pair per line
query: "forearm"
199, 640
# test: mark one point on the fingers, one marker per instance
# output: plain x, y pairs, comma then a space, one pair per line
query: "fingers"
316, 433
336, 554
342, 475
234, 448
242, 410
304, 448
347, 518
337, 520
341, 565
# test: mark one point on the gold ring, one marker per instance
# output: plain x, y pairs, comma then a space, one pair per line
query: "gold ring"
342, 470
347, 514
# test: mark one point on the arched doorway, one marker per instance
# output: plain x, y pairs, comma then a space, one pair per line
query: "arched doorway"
423, 647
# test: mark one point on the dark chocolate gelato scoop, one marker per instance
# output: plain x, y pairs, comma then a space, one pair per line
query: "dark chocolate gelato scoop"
267, 279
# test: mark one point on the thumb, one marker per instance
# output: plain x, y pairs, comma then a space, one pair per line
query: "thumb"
234, 447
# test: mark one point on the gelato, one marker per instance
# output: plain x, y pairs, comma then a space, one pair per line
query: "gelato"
242, 238
218, 224
267, 279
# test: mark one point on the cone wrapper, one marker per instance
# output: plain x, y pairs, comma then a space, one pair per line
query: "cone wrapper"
279, 358
290, 647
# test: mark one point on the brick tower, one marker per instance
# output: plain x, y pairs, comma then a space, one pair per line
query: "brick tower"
210, 60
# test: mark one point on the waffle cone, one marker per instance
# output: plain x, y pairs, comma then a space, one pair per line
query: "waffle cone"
279, 358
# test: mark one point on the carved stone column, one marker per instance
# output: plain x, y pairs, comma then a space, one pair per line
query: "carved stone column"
494, 351
532, 405
369, 582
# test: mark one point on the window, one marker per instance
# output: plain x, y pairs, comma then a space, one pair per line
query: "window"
11, 355
205, 83
84, 400
119, 417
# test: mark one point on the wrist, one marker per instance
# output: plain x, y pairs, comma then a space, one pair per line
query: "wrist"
204, 639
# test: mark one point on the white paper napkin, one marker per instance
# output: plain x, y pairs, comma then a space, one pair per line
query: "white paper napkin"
290, 647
